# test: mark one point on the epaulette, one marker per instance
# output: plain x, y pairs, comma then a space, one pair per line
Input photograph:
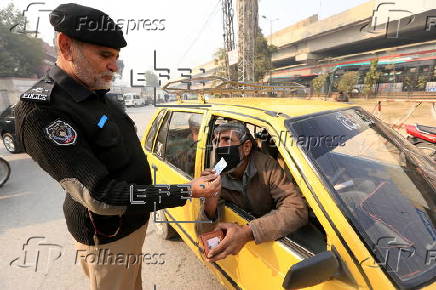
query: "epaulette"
40, 92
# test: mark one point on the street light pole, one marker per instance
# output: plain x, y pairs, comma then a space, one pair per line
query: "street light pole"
270, 26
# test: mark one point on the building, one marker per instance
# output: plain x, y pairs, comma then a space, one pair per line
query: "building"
401, 35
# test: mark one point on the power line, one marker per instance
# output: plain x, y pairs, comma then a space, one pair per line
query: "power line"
214, 11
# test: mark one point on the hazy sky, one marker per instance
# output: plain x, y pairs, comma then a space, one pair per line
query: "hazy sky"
193, 28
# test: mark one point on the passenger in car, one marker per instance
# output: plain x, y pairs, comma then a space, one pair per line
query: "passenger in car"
255, 182
182, 153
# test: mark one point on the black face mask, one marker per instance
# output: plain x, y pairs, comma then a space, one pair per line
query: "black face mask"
230, 155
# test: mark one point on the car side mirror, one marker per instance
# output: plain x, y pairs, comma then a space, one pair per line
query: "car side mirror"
312, 271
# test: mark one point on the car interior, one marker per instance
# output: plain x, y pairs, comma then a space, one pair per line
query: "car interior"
312, 237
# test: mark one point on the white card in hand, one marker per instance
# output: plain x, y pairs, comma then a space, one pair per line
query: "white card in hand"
220, 166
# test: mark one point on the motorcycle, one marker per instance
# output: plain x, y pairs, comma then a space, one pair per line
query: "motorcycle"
5, 171
424, 138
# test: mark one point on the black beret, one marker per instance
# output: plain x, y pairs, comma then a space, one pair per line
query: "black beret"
87, 24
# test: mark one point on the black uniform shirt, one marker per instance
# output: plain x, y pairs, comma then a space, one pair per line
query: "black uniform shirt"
89, 145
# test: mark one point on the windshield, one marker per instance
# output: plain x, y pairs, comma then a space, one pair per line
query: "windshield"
128, 97
384, 186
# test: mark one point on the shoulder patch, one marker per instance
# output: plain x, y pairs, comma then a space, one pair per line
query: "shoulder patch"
61, 133
40, 92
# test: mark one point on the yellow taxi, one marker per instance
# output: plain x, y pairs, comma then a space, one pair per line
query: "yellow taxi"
371, 195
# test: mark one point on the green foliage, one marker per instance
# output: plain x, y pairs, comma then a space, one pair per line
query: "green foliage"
371, 78
10, 16
20, 54
422, 82
347, 81
318, 83
220, 62
151, 79
409, 82
262, 58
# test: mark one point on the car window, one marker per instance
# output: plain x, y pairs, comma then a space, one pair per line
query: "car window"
159, 147
384, 187
182, 140
311, 237
152, 133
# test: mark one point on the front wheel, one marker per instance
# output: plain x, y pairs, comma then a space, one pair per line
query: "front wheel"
5, 171
163, 230
9, 143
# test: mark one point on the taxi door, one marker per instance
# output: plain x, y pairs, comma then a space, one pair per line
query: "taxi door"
262, 266
171, 149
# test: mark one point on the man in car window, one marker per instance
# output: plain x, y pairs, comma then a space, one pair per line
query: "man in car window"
255, 182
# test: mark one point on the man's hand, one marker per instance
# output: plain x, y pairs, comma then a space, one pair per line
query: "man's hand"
211, 203
207, 171
236, 237
206, 186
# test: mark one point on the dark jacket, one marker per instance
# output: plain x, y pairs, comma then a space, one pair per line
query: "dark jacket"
270, 196
90, 147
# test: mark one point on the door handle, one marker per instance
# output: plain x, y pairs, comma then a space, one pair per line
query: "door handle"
154, 167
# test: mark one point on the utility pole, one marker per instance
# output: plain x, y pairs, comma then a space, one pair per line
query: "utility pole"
247, 33
229, 36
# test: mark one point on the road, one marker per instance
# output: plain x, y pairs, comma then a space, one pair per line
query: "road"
31, 207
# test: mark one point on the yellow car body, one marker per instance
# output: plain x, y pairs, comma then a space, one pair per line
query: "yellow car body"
265, 266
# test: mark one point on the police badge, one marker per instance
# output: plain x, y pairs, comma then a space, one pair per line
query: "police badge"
61, 133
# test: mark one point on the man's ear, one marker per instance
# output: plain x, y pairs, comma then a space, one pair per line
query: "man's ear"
246, 147
65, 44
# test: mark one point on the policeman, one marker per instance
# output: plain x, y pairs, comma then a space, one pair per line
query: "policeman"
85, 142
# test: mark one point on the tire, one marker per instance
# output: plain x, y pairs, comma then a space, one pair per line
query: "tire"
428, 149
163, 230
10, 143
5, 171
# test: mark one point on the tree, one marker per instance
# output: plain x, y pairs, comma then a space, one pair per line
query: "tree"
371, 78
151, 79
347, 82
421, 83
262, 58
318, 83
12, 17
20, 54
220, 62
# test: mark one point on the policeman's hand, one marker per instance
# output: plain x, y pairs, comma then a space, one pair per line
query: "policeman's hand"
207, 171
236, 237
206, 186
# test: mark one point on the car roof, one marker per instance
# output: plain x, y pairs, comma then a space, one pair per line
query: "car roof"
290, 107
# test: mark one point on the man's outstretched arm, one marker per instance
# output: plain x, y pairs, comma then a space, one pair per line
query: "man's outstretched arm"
87, 180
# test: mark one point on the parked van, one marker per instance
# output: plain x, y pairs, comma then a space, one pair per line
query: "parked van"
132, 100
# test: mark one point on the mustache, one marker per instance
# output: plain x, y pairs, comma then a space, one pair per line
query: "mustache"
107, 74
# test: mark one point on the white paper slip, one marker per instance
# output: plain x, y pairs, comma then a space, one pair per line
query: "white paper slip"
220, 166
